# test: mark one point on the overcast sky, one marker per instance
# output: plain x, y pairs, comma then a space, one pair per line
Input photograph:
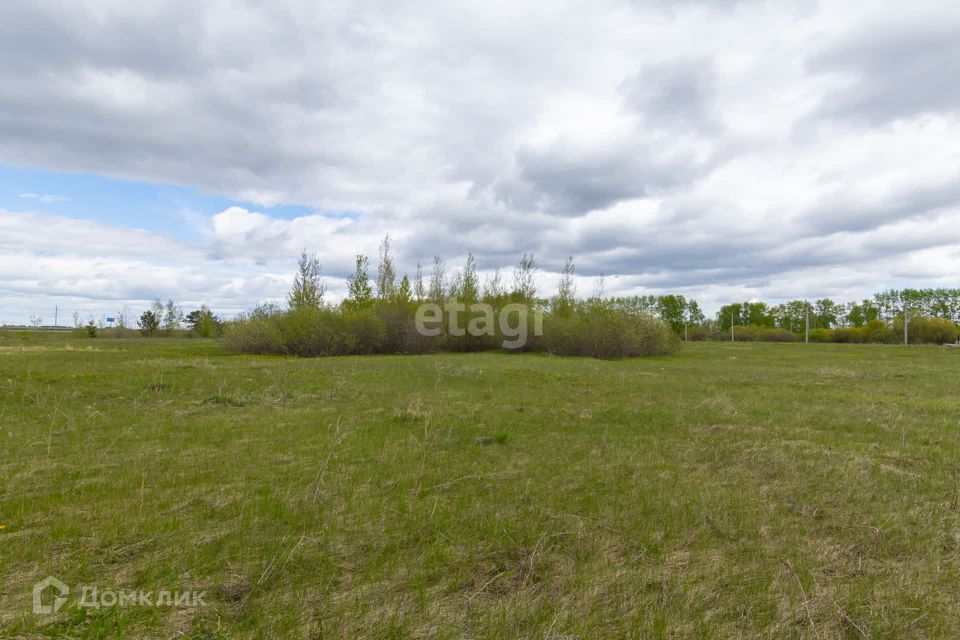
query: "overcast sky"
721, 149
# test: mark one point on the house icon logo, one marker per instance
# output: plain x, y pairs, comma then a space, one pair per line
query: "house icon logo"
59, 599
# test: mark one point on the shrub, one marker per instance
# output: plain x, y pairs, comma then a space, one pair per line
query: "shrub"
312, 331
253, 335
822, 335
600, 331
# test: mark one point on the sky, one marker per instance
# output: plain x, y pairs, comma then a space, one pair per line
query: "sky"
720, 149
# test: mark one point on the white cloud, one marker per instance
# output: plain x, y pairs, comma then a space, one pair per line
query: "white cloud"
46, 198
719, 148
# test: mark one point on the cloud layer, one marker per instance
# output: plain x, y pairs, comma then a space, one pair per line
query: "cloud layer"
720, 149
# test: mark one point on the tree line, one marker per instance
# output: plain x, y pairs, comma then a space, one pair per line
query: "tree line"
377, 313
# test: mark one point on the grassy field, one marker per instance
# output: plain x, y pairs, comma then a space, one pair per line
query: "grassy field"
744, 490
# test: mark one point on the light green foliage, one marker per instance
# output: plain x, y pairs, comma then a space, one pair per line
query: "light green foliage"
525, 281
308, 289
386, 272
359, 291
149, 323
204, 323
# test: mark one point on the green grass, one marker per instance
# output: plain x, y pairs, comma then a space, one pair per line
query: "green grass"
760, 490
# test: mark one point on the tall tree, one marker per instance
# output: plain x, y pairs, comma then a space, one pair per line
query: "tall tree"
419, 291
308, 289
470, 283
567, 288
405, 290
493, 288
438, 281
172, 317
359, 291
525, 280
386, 272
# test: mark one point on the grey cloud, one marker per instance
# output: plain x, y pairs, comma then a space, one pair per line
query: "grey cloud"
677, 95
841, 212
568, 180
894, 71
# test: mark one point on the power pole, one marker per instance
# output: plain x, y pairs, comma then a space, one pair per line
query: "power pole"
56, 314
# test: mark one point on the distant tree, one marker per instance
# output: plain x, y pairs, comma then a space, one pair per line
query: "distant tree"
202, 322
91, 328
493, 289
672, 309
419, 291
599, 288
567, 289
359, 291
438, 281
308, 289
525, 280
404, 292
76, 319
386, 272
36, 320
826, 313
172, 317
469, 283
694, 313
149, 323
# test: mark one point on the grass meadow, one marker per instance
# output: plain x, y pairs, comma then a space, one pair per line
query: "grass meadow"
725, 491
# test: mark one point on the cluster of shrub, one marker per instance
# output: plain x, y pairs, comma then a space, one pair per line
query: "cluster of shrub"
159, 320
381, 316
932, 318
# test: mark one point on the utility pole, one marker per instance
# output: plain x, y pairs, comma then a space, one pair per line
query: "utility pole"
56, 314
806, 316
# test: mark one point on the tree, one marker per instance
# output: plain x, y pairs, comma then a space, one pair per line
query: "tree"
91, 328
567, 289
825, 315
599, 288
419, 290
469, 283
386, 273
438, 280
172, 317
694, 313
525, 280
405, 290
673, 310
493, 290
202, 322
359, 291
149, 323
308, 289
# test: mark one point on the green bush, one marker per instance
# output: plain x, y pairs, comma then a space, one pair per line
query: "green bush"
593, 330
599, 331
253, 335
